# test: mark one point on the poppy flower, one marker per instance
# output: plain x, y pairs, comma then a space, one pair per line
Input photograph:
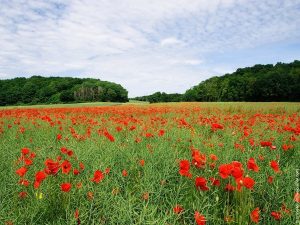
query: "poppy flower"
199, 218
274, 165
107, 170
214, 181
58, 137
66, 167
252, 165
76, 172
213, 157
39, 177
265, 144
25, 151
276, 215
255, 215
142, 162
98, 176
65, 187
248, 182
124, 173
199, 159
21, 171
52, 167
237, 172
76, 214
64, 150
225, 170
177, 209
184, 169
28, 162
24, 182
161, 133
216, 126
270, 179
200, 183
23, 194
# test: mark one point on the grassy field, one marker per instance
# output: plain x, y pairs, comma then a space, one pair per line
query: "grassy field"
136, 163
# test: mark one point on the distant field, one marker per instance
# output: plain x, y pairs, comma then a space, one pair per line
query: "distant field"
139, 163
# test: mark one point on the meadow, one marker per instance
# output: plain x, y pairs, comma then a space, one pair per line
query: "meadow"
176, 163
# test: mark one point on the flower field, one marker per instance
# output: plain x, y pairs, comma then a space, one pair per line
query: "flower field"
183, 163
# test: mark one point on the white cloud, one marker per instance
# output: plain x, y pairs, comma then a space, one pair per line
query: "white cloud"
145, 45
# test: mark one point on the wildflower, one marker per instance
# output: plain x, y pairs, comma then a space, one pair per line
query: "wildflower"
177, 209
200, 183
65, 187
199, 218
255, 214
252, 165
98, 176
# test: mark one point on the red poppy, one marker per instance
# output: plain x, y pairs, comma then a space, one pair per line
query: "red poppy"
58, 137
81, 165
252, 165
265, 144
214, 181
161, 132
64, 150
199, 218
177, 209
76, 214
24, 182
107, 170
270, 179
21, 171
98, 176
39, 177
248, 182
66, 167
184, 169
76, 172
142, 162
255, 215
199, 159
200, 183
213, 157
225, 170
28, 162
274, 165
216, 126
276, 215
65, 187
237, 171
25, 151
52, 167
23, 194
124, 173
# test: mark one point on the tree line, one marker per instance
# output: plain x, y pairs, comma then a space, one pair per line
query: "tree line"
51, 90
280, 82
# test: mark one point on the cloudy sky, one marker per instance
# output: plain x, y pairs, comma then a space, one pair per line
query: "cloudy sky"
145, 45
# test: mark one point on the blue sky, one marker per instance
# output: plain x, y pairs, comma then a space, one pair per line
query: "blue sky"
146, 46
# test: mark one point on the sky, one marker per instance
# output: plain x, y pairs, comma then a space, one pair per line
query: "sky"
145, 45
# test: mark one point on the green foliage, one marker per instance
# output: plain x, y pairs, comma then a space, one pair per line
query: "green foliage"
280, 82
160, 97
38, 89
